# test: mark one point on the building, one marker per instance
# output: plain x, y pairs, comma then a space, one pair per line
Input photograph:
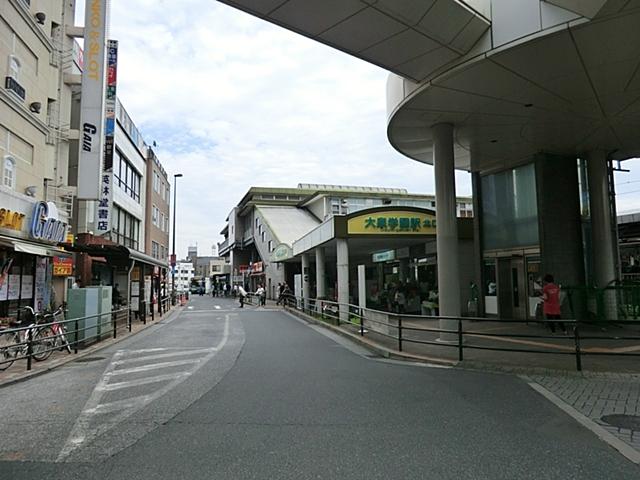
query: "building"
157, 211
262, 231
536, 98
211, 270
35, 198
184, 276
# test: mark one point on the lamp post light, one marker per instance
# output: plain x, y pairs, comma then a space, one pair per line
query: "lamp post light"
173, 255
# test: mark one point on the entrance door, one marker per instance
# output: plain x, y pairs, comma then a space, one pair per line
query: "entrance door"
512, 289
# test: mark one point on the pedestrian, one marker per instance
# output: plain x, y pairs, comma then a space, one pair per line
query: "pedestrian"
225, 289
400, 300
242, 293
115, 296
261, 293
551, 303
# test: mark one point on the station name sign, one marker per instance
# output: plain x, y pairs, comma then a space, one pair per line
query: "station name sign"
392, 223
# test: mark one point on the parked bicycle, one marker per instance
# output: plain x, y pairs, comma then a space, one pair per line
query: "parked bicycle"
14, 343
53, 332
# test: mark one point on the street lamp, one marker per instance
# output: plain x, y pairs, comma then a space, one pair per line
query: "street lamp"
173, 256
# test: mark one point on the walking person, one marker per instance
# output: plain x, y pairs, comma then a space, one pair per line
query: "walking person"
242, 293
260, 293
551, 303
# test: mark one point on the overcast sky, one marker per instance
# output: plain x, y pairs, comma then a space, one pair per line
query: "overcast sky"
234, 102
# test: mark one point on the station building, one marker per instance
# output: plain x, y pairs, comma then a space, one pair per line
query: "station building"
536, 98
321, 233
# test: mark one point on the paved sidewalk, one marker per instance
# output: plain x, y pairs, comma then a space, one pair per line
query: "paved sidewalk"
18, 371
597, 396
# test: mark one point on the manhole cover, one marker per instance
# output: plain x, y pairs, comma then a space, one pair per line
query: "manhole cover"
628, 422
90, 359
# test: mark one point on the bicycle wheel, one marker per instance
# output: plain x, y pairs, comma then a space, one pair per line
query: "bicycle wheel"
44, 341
63, 343
8, 350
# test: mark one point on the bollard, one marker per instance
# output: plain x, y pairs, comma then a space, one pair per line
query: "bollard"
113, 321
399, 334
75, 344
460, 355
29, 347
576, 338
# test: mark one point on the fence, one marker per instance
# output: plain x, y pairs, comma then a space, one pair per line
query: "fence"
619, 302
31, 343
402, 330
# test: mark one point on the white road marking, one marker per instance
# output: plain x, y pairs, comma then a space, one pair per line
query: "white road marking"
217, 307
177, 353
110, 387
152, 366
83, 431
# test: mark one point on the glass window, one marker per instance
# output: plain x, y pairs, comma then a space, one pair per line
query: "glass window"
509, 208
9, 172
14, 67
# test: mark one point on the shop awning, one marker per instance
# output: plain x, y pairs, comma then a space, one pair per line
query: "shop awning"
117, 252
34, 248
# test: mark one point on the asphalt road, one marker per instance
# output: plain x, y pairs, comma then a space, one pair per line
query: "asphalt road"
225, 393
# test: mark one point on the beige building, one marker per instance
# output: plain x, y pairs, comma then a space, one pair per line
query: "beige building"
35, 104
157, 209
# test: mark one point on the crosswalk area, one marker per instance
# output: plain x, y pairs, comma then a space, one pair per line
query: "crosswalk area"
132, 380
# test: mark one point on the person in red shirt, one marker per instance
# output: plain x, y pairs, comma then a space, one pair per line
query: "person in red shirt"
551, 306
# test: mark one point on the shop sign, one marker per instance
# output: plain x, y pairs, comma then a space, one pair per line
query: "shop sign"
281, 252
62, 266
244, 268
257, 267
45, 225
393, 222
11, 220
93, 97
384, 256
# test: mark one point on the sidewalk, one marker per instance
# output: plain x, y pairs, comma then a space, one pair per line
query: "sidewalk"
18, 371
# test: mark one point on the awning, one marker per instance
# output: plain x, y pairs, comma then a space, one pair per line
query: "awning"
116, 253
40, 250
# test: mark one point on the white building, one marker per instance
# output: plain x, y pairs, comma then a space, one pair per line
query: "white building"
184, 275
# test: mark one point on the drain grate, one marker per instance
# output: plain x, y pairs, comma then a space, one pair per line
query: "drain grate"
620, 421
90, 359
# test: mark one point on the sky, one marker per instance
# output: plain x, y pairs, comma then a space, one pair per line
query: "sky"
233, 102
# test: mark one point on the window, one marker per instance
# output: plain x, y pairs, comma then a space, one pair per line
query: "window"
14, 67
257, 221
154, 250
168, 193
125, 228
264, 236
9, 172
162, 191
126, 177
161, 225
270, 246
154, 215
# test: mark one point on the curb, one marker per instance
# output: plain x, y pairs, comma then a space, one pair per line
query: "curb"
468, 365
89, 351
380, 350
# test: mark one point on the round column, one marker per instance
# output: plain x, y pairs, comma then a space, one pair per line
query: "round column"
342, 266
446, 228
305, 280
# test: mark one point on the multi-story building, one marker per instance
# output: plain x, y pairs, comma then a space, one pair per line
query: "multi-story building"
35, 114
157, 211
184, 275
268, 221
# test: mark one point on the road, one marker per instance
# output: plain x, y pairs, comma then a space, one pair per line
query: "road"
229, 393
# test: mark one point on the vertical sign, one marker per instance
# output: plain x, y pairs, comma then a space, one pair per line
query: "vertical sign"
92, 106
103, 212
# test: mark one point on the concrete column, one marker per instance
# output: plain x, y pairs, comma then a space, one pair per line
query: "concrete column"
305, 280
320, 273
446, 228
342, 266
603, 253
603, 250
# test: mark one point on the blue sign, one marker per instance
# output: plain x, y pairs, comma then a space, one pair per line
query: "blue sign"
46, 228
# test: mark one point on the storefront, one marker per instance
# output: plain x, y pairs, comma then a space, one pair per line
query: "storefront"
30, 232
391, 250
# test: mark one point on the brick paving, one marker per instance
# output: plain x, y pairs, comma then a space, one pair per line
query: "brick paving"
596, 395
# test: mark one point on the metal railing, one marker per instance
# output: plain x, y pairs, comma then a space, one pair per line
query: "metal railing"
22, 343
402, 329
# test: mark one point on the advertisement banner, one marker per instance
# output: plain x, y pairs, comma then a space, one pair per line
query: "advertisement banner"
103, 212
62, 266
92, 104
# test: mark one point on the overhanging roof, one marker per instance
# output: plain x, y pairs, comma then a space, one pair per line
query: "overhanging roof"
412, 38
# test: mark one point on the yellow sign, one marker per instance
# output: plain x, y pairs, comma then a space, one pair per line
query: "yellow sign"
11, 220
393, 223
